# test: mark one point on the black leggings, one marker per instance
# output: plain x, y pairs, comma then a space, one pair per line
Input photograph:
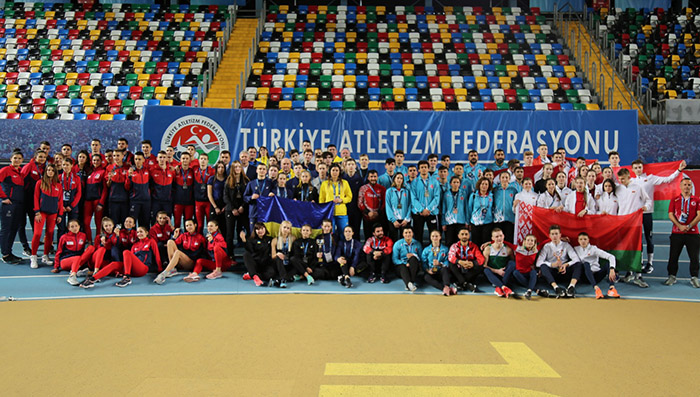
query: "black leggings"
692, 244
408, 271
440, 279
648, 225
466, 275
383, 264
573, 271
451, 232
261, 267
481, 234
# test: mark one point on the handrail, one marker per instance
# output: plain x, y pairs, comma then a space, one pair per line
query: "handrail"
587, 22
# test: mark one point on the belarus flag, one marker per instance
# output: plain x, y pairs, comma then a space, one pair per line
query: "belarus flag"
620, 235
664, 193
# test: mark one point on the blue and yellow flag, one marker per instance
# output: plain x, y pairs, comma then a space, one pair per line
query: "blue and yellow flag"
273, 210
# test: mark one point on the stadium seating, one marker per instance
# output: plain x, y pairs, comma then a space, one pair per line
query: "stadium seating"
659, 46
97, 53
411, 58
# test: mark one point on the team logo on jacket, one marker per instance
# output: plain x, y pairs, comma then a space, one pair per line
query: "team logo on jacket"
205, 134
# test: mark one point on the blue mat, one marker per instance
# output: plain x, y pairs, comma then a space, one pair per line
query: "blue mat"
19, 282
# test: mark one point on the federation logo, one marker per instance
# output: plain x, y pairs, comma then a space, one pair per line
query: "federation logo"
205, 134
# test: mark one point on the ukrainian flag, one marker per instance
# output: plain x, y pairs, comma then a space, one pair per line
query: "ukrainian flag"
273, 210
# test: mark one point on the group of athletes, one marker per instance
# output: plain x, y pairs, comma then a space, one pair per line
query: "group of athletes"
139, 202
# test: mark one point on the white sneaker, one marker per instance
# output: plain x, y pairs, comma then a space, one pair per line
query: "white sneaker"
83, 272
412, 287
171, 273
160, 278
73, 280
45, 260
34, 264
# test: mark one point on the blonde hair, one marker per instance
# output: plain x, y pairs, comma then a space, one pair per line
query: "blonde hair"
280, 238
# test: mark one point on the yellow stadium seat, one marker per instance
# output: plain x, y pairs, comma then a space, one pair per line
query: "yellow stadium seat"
285, 105
106, 117
41, 116
160, 92
439, 106
139, 66
89, 105
592, 106
481, 82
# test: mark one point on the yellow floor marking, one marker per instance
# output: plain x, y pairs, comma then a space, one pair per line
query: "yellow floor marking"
521, 362
426, 391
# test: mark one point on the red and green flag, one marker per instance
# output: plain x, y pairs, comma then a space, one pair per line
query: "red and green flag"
620, 235
664, 193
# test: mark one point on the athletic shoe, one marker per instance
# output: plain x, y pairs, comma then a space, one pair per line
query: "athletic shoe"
247, 277
571, 292
88, 283
214, 275
385, 279
191, 278
160, 278
83, 272
453, 290
446, 291
348, 283
296, 277
629, 277
257, 281
647, 268
499, 291
612, 293
598, 293
123, 282
27, 252
46, 261
52, 250
670, 280
508, 292
272, 283
470, 287
639, 282
372, 278
695, 282
73, 280
528, 294
412, 287
309, 280
9, 259
283, 284
543, 293
341, 280
171, 273
17, 258
34, 264
559, 292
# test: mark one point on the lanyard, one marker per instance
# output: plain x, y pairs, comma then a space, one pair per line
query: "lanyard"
463, 251
285, 246
375, 244
455, 200
63, 182
306, 247
259, 189
206, 174
304, 193
183, 173
425, 185
338, 185
282, 195
347, 246
372, 189
684, 209
409, 247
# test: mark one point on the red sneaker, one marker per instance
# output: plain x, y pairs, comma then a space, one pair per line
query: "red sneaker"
257, 280
612, 293
507, 291
246, 277
498, 291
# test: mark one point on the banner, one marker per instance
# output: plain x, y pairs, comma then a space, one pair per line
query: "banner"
273, 210
663, 193
620, 235
379, 133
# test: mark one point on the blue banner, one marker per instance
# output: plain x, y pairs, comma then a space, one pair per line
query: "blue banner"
273, 210
379, 133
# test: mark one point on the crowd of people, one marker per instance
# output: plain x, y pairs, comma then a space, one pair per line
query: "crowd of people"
167, 212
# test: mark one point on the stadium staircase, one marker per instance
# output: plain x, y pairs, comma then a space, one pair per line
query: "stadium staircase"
228, 76
599, 71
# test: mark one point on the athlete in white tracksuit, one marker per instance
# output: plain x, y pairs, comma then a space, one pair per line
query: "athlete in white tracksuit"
631, 197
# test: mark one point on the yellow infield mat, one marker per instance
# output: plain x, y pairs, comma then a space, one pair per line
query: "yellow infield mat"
339, 345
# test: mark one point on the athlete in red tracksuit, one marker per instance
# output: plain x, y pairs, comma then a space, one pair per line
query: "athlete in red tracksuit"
126, 238
217, 260
48, 206
183, 250
201, 197
161, 232
72, 192
139, 193
118, 183
31, 173
95, 196
138, 261
162, 177
105, 243
182, 191
73, 252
